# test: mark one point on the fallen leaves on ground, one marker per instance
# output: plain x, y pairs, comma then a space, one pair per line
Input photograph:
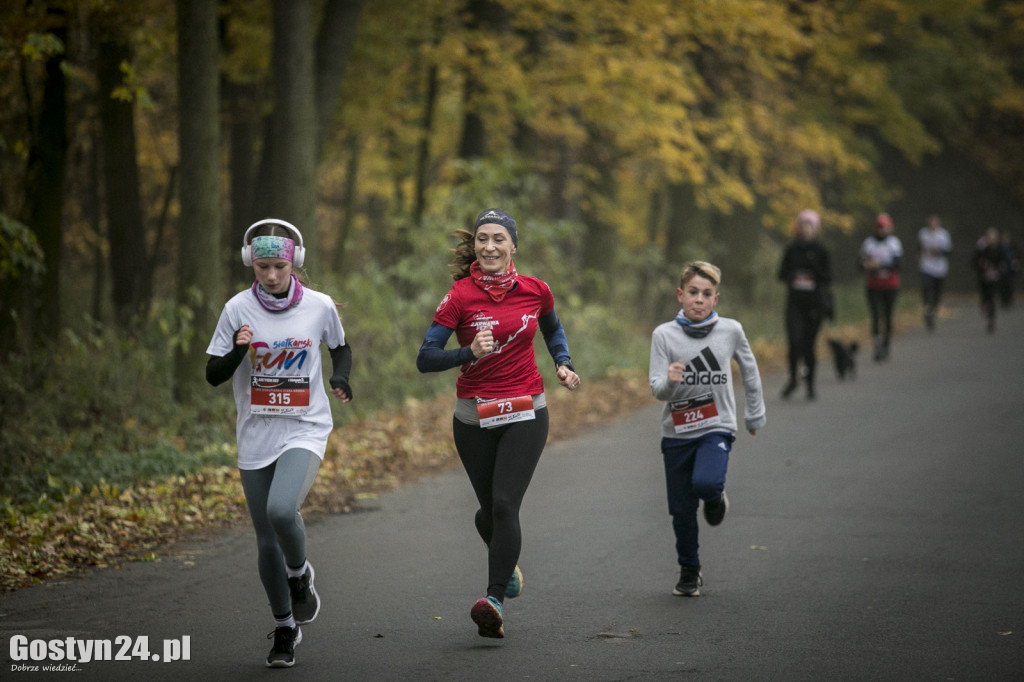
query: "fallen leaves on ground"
106, 526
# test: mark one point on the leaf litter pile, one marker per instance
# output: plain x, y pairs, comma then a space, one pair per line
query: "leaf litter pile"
106, 525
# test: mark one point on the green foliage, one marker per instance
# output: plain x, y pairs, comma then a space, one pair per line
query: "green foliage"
98, 406
41, 46
602, 343
20, 254
175, 323
131, 89
385, 332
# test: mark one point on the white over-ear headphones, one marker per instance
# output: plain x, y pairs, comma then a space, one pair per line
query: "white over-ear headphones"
300, 250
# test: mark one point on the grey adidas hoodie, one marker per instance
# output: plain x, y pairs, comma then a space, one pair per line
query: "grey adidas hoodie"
708, 371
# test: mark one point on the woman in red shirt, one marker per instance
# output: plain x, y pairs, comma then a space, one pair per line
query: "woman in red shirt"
501, 418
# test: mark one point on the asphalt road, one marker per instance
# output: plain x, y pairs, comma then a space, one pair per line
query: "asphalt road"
874, 534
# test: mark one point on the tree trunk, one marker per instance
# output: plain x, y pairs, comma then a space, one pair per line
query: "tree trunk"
687, 235
651, 287
423, 149
334, 42
45, 194
200, 271
93, 215
600, 247
293, 125
688, 227
350, 200
242, 101
474, 135
481, 15
129, 282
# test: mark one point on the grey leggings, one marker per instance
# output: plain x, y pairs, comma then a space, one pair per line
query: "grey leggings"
274, 495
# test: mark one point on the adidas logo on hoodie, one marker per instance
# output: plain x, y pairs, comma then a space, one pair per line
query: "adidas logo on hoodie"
704, 370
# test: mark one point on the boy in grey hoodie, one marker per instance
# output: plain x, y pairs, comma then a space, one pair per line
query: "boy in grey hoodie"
690, 371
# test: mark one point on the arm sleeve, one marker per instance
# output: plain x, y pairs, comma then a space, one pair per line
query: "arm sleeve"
754, 411
661, 387
554, 337
341, 359
220, 369
783, 272
897, 253
826, 267
434, 358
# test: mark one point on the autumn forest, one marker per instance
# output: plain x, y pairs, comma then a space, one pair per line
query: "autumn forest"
139, 139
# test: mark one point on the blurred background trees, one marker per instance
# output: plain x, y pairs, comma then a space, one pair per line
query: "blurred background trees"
139, 138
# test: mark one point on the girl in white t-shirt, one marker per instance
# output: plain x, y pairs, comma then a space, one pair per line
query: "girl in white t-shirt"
267, 342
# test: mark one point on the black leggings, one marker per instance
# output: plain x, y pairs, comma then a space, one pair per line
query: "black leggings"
988, 299
500, 463
802, 325
931, 293
881, 302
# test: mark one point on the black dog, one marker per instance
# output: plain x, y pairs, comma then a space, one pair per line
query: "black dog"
844, 357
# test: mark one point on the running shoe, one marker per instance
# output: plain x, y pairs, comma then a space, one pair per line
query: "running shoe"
715, 510
689, 583
880, 351
514, 586
305, 600
789, 389
486, 613
283, 653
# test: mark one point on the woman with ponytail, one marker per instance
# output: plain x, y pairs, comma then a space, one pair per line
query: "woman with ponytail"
500, 422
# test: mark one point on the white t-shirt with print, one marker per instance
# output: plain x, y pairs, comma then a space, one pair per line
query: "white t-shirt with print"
279, 389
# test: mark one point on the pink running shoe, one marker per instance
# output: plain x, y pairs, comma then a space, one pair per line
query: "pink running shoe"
486, 613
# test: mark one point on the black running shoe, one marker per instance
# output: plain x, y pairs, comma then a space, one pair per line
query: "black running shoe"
715, 510
789, 389
283, 653
689, 583
305, 600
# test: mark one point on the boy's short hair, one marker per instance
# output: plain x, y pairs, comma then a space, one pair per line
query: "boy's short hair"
702, 268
